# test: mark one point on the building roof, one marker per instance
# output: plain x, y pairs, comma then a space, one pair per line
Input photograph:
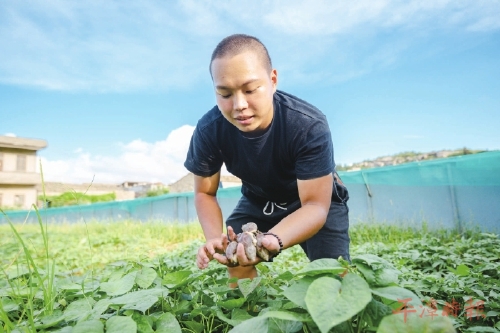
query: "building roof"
22, 143
66, 187
186, 183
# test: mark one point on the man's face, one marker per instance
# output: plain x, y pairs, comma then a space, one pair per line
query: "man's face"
244, 90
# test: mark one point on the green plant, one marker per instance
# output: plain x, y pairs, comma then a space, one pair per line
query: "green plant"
76, 198
131, 289
158, 192
40, 279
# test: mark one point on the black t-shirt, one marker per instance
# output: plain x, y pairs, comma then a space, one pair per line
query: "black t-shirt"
297, 145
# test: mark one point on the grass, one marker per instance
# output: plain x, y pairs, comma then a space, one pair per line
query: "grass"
51, 273
81, 247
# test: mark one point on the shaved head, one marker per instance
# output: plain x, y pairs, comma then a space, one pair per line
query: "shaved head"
239, 43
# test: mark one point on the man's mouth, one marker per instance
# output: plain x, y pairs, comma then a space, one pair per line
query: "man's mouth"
244, 120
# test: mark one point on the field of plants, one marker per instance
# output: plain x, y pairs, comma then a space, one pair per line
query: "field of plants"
131, 276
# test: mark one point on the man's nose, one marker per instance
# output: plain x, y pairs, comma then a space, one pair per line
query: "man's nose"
239, 102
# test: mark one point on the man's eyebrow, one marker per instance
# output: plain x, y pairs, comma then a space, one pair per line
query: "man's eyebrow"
244, 84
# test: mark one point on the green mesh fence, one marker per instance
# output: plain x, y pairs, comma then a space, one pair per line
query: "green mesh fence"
457, 192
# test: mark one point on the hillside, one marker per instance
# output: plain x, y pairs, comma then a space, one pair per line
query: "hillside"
405, 157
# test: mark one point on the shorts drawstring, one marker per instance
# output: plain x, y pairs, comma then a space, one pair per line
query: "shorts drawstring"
273, 204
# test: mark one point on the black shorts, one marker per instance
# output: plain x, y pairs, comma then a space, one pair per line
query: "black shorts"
331, 241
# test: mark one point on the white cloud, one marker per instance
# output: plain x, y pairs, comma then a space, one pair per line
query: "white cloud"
148, 45
97, 46
138, 161
10, 134
325, 17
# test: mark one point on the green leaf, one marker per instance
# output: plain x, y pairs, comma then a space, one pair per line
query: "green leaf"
377, 271
118, 324
237, 316
297, 291
462, 270
167, 323
143, 324
371, 260
80, 309
256, 324
286, 315
140, 300
99, 308
313, 328
232, 303
240, 315
286, 276
478, 292
343, 327
15, 273
321, 266
88, 287
145, 277
411, 322
9, 305
261, 323
367, 272
68, 285
89, 326
397, 293
375, 311
120, 286
176, 279
331, 302
279, 326
50, 320
248, 285
194, 326
386, 277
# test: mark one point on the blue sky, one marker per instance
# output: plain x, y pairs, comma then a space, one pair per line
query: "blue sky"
116, 87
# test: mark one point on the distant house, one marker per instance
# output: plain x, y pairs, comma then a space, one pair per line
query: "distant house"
141, 188
186, 183
18, 175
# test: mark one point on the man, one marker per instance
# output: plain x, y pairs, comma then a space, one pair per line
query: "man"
281, 149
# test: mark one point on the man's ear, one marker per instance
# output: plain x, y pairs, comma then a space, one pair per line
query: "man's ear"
274, 79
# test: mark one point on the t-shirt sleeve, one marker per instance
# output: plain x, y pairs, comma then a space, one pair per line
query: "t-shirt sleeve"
315, 152
203, 158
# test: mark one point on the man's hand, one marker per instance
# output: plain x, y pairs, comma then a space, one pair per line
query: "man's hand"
269, 242
210, 250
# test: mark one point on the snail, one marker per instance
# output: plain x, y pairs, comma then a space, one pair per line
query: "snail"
251, 238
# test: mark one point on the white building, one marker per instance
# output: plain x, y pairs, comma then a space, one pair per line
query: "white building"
18, 175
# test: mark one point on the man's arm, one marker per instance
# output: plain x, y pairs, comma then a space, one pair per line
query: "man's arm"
210, 217
207, 207
315, 197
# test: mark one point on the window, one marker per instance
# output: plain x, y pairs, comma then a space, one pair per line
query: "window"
1, 161
19, 200
21, 163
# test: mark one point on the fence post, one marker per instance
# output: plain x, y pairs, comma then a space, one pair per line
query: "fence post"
176, 211
370, 195
453, 197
